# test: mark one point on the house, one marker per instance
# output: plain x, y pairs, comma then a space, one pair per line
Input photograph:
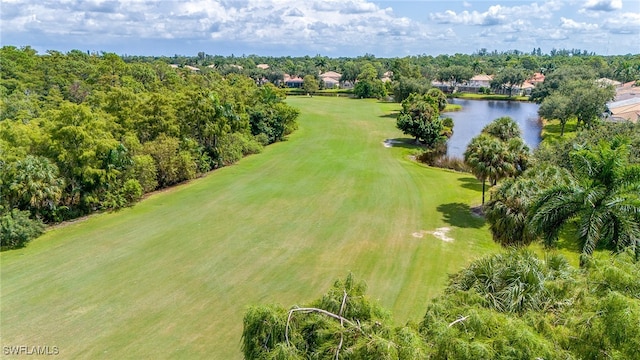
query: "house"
627, 91
606, 82
536, 78
386, 77
262, 66
527, 87
331, 79
292, 81
479, 81
625, 110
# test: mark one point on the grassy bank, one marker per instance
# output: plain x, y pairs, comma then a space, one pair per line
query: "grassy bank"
172, 276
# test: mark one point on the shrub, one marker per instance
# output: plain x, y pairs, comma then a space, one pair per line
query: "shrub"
132, 191
17, 229
145, 171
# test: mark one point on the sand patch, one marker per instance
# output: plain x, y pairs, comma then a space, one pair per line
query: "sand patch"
440, 233
390, 142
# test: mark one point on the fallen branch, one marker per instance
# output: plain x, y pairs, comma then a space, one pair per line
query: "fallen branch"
461, 319
344, 302
321, 311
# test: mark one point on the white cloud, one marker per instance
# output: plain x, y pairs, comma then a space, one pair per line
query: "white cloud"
603, 5
495, 15
625, 23
570, 24
344, 27
277, 22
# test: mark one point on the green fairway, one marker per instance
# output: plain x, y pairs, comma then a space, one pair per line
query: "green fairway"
172, 276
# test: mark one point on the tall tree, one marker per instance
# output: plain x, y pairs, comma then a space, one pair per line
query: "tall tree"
509, 78
587, 100
310, 84
503, 128
36, 184
557, 106
508, 207
454, 75
487, 157
604, 200
420, 118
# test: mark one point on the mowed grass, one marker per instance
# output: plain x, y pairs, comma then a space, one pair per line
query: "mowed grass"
172, 276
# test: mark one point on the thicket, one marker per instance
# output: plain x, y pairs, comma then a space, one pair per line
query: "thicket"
587, 187
511, 305
81, 133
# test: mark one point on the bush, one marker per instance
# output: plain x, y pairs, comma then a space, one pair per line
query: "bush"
145, 171
132, 191
17, 229
232, 147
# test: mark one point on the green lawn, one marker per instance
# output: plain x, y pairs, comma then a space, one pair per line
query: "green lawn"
172, 276
552, 129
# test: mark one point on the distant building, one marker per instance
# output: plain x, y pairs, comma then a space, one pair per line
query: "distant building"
479, 81
527, 87
625, 110
386, 77
605, 81
331, 79
292, 81
192, 68
262, 66
627, 91
536, 78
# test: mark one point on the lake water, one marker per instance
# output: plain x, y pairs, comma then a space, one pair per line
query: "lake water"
475, 114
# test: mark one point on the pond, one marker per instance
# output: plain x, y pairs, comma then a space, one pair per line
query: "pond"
475, 114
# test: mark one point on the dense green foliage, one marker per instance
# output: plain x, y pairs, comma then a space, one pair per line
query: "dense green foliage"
498, 152
506, 306
603, 200
588, 186
420, 117
80, 132
17, 228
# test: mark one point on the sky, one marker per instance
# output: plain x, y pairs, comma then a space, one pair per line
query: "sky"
330, 28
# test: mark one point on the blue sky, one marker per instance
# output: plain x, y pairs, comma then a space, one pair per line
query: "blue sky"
331, 28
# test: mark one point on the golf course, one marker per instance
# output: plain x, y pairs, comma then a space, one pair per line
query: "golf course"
172, 276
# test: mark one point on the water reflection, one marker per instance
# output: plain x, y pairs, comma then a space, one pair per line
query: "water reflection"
475, 114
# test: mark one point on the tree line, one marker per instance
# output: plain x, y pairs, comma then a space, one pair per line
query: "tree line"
509, 68
619, 67
81, 133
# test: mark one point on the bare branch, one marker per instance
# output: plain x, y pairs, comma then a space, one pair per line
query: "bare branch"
461, 319
344, 302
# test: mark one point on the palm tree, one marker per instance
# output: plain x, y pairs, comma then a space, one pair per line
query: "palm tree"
504, 128
36, 184
488, 158
604, 201
508, 207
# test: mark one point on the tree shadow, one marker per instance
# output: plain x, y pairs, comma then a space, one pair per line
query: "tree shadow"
391, 115
460, 215
404, 143
471, 183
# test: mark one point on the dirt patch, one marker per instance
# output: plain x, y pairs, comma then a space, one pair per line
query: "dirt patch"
390, 142
440, 233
